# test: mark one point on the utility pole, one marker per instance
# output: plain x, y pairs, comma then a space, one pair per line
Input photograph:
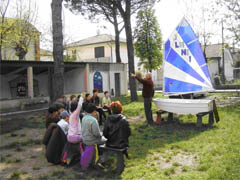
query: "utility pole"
223, 60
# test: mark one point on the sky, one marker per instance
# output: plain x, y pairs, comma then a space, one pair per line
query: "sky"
168, 12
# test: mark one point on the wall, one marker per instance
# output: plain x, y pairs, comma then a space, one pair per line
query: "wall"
87, 52
8, 53
42, 84
46, 58
105, 76
107, 72
16, 104
228, 65
119, 68
213, 68
74, 81
5, 89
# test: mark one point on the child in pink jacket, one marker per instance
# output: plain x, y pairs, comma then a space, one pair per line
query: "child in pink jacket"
74, 132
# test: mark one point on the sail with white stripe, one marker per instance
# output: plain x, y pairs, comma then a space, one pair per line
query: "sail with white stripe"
184, 69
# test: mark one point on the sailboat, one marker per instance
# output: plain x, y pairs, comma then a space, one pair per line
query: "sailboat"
185, 71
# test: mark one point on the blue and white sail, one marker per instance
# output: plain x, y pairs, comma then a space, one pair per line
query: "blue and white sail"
185, 69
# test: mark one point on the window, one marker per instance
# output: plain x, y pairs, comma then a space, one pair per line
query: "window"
98, 82
99, 52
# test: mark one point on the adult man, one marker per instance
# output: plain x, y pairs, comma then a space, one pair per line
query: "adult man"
147, 93
96, 101
106, 102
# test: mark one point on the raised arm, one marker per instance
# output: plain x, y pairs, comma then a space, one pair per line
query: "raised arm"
141, 80
79, 107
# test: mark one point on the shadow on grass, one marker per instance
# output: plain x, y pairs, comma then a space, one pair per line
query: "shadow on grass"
18, 145
12, 123
145, 139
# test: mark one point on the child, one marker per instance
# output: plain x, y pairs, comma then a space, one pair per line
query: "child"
90, 129
63, 123
91, 136
74, 132
52, 115
73, 98
106, 101
60, 107
88, 98
117, 129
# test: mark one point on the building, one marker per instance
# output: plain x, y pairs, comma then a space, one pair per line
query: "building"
26, 82
215, 61
16, 29
46, 55
101, 48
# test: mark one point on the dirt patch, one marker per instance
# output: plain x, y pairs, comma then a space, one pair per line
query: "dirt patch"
174, 162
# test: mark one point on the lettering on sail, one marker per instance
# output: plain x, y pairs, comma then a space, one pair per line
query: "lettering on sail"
181, 45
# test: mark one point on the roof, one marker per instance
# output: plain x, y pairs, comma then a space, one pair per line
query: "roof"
102, 38
214, 51
44, 52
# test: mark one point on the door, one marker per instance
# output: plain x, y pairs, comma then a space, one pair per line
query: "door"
98, 82
117, 84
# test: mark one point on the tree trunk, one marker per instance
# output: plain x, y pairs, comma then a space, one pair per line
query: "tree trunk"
117, 40
130, 49
58, 81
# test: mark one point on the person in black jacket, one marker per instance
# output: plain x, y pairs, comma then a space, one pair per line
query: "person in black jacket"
96, 100
87, 100
55, 140
116, 129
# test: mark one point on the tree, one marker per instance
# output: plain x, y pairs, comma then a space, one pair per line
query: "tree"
24, 31
58, 81
230, 11
199, 15
148, 37
94, 10
126, 8
3, 28
18, 32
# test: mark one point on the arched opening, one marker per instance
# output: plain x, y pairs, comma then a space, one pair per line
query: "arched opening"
98, 81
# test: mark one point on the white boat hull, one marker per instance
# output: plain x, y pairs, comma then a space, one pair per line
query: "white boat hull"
184, 106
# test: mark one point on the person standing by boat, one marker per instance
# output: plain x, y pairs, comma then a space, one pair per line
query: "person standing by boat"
147, 93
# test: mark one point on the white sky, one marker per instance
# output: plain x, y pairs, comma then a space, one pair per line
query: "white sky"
168, 12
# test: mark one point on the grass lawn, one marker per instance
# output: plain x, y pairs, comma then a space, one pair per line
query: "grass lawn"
182, 151
175, 150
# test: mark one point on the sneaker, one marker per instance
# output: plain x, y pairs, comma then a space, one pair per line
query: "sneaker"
99, 166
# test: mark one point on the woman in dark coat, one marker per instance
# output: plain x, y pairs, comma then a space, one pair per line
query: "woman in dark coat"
116, 129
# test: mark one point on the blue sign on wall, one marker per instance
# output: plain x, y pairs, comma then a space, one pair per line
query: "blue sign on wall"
98, 81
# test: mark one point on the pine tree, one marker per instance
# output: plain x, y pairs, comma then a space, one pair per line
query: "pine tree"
148, 38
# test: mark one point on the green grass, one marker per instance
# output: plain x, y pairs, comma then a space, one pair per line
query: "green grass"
17, 174
214, 150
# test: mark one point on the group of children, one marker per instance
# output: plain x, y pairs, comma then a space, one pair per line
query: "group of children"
79, 121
